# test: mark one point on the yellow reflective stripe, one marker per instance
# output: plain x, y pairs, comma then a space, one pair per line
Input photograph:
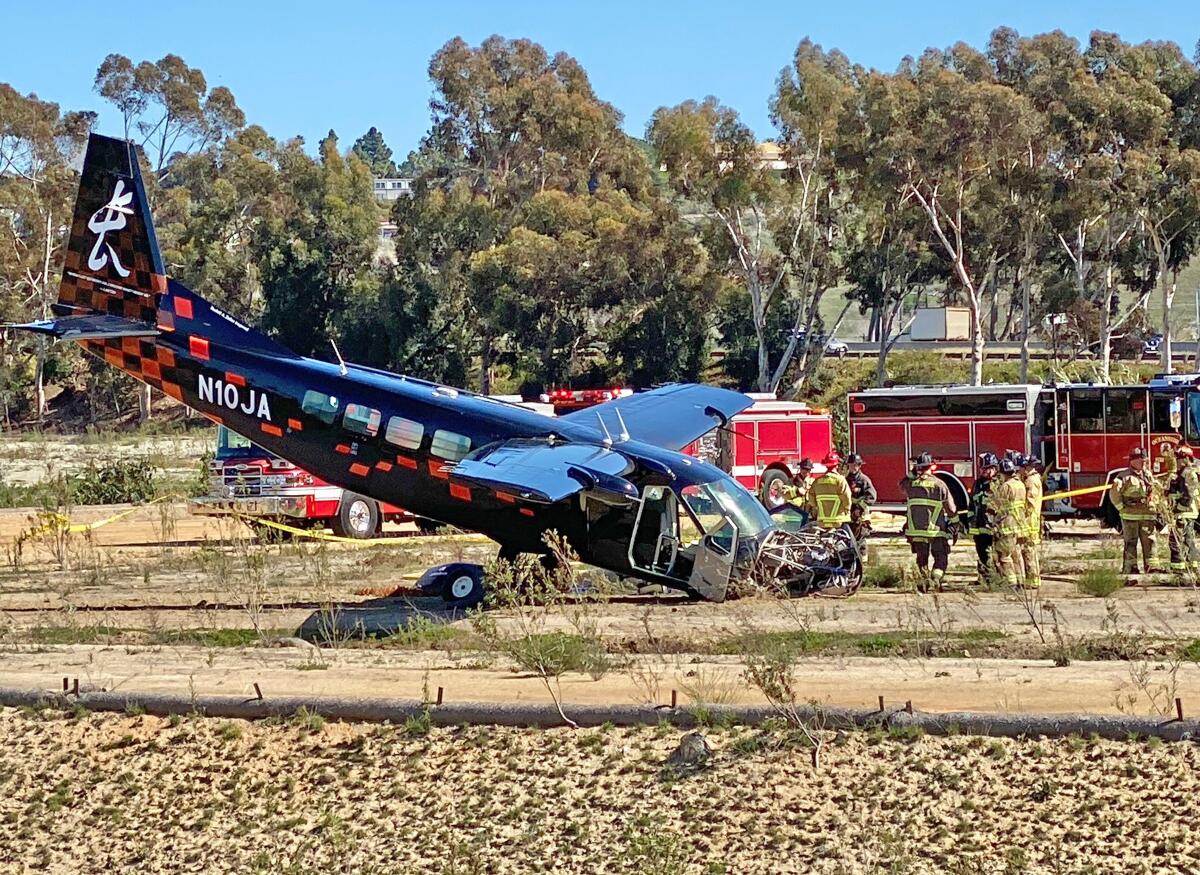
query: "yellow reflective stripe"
934, 505
827, 510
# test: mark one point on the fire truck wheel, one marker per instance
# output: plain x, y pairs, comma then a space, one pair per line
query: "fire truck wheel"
773, 481
357, 517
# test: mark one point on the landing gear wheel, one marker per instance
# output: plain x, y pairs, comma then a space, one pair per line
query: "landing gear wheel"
463, 587
357, 517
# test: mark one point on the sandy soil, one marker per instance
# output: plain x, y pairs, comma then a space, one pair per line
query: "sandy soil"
158, 572
114, 793
1143, 687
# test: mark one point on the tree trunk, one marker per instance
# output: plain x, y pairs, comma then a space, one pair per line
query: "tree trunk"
144, 402
1106, 330
977, 343
40, 381
1026, 283
485, 365
1168, 297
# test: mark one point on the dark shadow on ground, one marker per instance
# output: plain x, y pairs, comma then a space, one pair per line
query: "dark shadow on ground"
375, 618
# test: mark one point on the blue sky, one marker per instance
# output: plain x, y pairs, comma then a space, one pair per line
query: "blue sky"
304, 67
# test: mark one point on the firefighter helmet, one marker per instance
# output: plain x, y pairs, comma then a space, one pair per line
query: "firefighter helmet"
832, 459
1008, 466
855, 459
923, 461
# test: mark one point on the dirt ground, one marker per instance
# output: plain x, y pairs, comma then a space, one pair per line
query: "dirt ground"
120, 793
161, 600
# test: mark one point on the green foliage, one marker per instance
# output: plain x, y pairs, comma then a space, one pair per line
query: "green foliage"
651, 847
883, 576
115, 482
556, 653
375, 153
1100, 582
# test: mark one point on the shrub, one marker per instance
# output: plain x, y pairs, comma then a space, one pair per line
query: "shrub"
116, 482
556, 653
883, 576
1100, 582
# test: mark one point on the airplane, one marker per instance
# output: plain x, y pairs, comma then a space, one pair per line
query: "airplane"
611, 479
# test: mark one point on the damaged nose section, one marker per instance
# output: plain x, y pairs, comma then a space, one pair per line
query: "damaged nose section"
812, 561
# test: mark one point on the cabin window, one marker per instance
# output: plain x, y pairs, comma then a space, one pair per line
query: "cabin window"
404, 433
1124, 411
1160, 414
450, 446
361, 419
1087, 412
323, 407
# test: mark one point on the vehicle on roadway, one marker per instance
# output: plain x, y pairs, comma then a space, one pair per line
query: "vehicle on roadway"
611, 479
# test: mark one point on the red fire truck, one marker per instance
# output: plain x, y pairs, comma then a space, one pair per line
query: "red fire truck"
764, 444
1082, 432
248, 481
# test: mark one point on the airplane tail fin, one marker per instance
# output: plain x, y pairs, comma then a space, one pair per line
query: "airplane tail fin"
112, 263
114, 284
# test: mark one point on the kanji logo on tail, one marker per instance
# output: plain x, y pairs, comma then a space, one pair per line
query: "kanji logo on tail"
110, 217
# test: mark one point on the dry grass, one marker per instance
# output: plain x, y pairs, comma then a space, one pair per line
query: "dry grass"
84, 792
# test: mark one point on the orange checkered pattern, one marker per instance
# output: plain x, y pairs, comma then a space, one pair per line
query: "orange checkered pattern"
143, 359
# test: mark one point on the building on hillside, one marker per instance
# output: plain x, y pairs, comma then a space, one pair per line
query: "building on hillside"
390, 188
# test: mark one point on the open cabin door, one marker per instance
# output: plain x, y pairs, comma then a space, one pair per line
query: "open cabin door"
713, 564
654, 546
688, 538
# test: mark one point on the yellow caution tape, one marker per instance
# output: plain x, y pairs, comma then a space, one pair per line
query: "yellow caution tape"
87, 527
1054, 496
322, 536
310, 533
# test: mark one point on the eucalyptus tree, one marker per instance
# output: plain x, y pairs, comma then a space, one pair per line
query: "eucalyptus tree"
38, 145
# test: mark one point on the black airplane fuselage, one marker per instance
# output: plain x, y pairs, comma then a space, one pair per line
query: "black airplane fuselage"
612, 480
261, 395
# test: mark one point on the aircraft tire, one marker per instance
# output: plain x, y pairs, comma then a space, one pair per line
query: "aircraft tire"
357, 517
463, 586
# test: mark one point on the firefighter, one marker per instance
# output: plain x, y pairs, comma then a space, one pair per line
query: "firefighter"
979, 525
1031, 540
862, 496
1184, 495
797, 492
828, 498
1006, 509
929, 509
1133, 494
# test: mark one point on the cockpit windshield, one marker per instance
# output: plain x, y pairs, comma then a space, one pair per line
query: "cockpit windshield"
711, 501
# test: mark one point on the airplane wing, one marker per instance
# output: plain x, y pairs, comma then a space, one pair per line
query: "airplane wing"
670, 417
545, 472
93, 326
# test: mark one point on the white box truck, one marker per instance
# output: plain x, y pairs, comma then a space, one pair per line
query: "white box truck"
941, 323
